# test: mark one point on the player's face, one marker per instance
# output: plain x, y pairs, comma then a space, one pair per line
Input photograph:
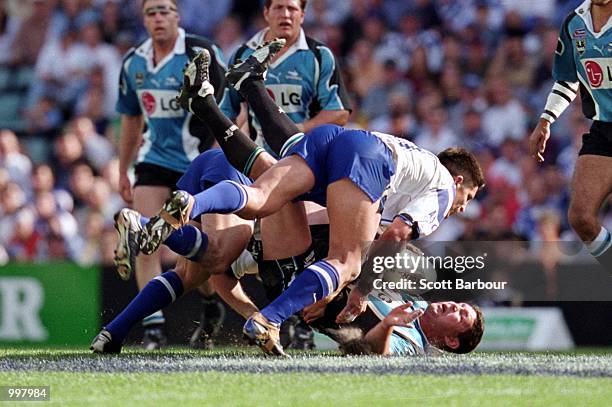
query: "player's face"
464, 194
600, 2
449, 318
161, 20
285, 18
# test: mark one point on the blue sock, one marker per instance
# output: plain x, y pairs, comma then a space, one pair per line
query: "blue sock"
188, 241
313, 284
225, 197
157, 294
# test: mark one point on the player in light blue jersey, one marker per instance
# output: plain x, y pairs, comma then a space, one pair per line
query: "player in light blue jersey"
399, 324
151, 76
304, 77
583, 63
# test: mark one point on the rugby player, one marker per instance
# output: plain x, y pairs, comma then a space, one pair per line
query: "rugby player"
400, 325
351, 172
582, 62
150, 78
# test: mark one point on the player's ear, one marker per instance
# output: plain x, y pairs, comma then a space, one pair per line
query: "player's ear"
458, 179
451, 342
266, 11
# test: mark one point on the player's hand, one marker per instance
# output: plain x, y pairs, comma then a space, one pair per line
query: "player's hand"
125, 188
314, 311
538, 139
402, 316
355, 306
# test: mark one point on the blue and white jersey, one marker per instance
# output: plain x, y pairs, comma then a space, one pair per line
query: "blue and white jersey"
584, 56
303, 81
421, 191
404, 340
173, 136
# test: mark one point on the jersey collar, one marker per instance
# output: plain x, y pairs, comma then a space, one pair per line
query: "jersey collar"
146, 51
584, 11
299, 45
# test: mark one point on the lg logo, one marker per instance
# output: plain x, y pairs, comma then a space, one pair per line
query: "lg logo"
594, 73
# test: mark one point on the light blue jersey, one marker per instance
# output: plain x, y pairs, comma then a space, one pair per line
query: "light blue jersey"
584, 56
404, 340
303, 81
173, 136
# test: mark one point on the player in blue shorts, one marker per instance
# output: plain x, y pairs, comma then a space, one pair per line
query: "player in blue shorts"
201, 254
158, 135
583, 62
351, 172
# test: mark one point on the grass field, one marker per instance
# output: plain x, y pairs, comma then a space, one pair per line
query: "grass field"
242, 377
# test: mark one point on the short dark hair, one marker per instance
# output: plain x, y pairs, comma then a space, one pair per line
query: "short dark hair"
171, 1
459, 161
303, 4
470, 338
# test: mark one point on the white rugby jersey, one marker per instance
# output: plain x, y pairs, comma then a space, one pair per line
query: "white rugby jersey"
421, 191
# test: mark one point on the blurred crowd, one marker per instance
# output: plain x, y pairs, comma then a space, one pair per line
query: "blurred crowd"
474, 73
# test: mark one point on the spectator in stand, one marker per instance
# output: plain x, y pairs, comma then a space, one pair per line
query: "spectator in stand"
505, 115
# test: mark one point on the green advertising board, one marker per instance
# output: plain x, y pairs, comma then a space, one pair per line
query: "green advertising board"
56, 304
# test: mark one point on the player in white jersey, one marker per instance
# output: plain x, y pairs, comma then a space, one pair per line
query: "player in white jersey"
351, 172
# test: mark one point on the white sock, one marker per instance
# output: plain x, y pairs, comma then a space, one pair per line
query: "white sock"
602, 242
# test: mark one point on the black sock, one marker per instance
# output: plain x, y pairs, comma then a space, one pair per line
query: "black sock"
239, 149
276, 126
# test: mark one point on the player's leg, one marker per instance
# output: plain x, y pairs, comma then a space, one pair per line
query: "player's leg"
147, 200
248, 78
591, 185
353, 223
228, 237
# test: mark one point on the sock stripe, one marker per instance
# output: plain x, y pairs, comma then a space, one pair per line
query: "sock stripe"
197, 244
605, 245
249, 164
293, 140
168, 286
154, 319
322, 273
243, 195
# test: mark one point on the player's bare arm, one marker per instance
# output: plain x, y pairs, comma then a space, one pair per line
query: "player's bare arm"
379, 337
131, 138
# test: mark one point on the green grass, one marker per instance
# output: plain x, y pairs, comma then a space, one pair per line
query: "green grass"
290, 389
144, 389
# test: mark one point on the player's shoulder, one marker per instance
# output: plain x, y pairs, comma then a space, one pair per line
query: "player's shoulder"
572, 18
319, 49
132, 52
197, 41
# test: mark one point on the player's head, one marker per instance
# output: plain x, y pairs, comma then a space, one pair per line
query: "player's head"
161, 19
600, 2
285, 18
467, 174
453, 327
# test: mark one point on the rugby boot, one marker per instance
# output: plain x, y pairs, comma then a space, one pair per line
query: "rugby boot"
263, 333
103, 343
256, 65
173, 215
127, 223
196, 82
154, 338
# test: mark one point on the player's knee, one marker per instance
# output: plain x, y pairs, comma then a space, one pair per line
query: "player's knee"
216, 260
584, 223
